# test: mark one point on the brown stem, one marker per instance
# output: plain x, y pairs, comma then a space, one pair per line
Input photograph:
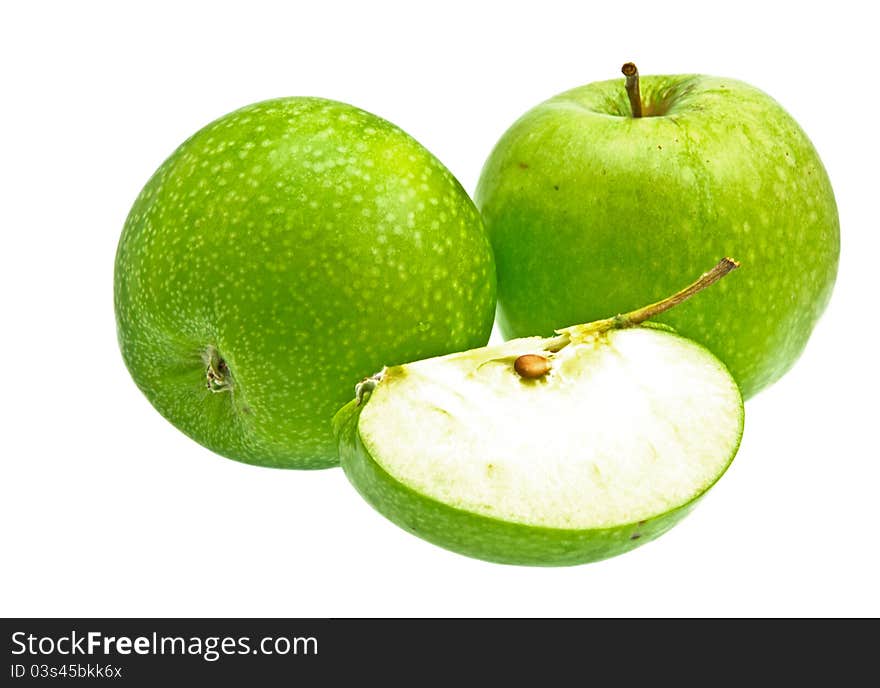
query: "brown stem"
644, 313
707, 279
631, 72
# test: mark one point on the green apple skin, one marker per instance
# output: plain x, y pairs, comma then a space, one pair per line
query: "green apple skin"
592, 211
479, 536
295, 245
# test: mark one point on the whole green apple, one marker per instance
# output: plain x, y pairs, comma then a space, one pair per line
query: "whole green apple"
591, 210
281, 254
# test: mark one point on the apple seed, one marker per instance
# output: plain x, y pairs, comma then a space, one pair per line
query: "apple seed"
531, 366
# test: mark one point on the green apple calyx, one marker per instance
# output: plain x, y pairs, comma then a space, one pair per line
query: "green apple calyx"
219, 379
547, 451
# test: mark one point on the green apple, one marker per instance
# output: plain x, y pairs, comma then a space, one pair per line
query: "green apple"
279, 255
592, 210
550, 451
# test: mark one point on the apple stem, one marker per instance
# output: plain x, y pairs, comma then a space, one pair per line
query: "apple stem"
707, 279
640, 315
631, 72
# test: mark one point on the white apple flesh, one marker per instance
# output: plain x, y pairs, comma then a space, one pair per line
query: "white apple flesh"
549, 451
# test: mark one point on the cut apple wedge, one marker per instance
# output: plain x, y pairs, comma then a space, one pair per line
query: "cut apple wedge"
546, 451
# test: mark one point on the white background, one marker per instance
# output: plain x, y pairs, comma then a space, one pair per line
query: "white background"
106, 509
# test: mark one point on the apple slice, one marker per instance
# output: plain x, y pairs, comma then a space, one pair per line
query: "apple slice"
547, 451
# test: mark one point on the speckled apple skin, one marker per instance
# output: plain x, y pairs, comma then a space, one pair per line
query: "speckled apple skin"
310, 243
591, 212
